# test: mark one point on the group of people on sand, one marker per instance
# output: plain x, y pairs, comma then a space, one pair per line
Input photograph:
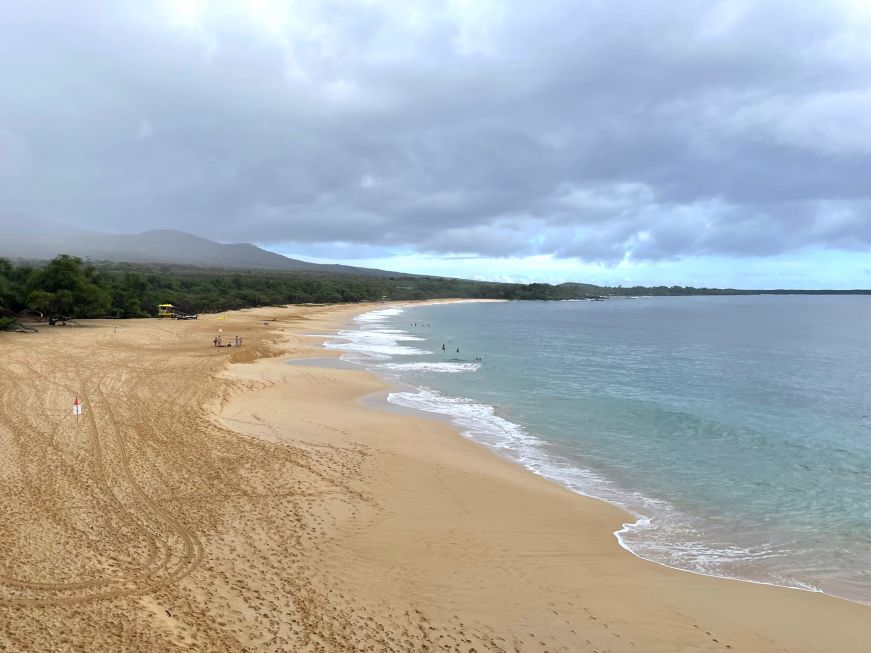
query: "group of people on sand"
220, 343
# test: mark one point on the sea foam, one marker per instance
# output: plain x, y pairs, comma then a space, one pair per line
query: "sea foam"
374, 341
449, 367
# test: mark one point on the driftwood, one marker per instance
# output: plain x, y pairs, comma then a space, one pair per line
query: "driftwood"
17, 327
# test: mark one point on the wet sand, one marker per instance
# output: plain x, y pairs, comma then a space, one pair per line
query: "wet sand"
222, 500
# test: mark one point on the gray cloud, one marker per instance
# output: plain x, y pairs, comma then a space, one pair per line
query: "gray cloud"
645, 129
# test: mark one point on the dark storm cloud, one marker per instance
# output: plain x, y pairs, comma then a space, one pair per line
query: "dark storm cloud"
582, 129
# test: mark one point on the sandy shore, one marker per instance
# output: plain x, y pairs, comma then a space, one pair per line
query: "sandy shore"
221, 500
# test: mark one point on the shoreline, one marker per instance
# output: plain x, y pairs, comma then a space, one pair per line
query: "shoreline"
264, 507
382, 401
615, 513
379, 400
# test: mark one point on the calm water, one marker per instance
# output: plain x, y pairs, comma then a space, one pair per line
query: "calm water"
737, 429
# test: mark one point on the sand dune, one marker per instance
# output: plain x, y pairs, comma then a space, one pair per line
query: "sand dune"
220, 500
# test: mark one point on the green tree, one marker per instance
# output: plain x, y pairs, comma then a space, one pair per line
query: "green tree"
128, 296
7, 295
40, 300
65, 287
6, 292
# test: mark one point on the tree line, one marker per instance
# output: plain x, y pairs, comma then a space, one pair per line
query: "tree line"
68, 286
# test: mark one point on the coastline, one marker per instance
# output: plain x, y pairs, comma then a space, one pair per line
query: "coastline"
481, 423
265, 507
712, 596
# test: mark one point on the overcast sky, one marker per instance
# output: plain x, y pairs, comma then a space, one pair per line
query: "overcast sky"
706, 143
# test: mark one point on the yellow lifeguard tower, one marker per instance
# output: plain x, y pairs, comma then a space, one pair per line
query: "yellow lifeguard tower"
165, 310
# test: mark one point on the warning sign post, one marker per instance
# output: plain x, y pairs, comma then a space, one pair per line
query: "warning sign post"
77, 409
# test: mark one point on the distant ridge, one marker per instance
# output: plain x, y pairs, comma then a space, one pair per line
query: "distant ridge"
37, 239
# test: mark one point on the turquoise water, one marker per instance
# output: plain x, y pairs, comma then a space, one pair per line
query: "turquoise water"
736, 429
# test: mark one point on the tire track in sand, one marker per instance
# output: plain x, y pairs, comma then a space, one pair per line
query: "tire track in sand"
115, 507
179, 549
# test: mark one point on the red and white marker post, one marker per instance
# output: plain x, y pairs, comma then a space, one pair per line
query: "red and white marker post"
77, 409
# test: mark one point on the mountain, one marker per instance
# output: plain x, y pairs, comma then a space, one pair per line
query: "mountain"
37, 239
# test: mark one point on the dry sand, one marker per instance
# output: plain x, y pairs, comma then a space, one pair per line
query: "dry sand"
259, 506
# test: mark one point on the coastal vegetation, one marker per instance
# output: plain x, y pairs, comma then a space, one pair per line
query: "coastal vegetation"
69, 286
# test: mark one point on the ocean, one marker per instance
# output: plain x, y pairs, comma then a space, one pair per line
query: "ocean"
736, 430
